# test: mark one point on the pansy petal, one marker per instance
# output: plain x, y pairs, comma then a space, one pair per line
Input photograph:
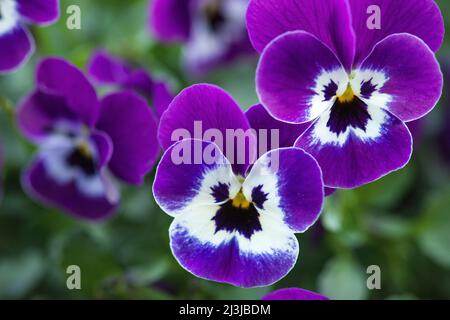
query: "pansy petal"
57, 76
231, 257
207, 112
413, 79
272, 133
39, 112
293, 75
287, 184
185, 179
140, 81
106, 69
358, 156
162, 97
66, 196
103, 145
16, 46
39, 11
128, 120
328, 20
421, 18
170, 20
293, 294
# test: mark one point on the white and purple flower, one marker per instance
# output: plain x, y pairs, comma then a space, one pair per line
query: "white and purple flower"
213, 31
359, 86
291, 294
85, 145
106, 69
234, 222
16, 42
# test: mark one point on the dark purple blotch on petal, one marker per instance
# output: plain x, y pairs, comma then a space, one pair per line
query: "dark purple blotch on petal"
231, 218
348, 114
220, 192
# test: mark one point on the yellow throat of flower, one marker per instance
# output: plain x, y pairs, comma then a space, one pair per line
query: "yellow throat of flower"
240, 201
84, 149
348, 95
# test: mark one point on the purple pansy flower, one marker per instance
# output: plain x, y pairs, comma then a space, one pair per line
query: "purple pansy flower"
16, 42
213, 31
108, 70
294, 294
233, 222
85, 145
321, 62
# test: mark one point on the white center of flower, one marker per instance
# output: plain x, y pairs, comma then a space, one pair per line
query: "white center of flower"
8, 16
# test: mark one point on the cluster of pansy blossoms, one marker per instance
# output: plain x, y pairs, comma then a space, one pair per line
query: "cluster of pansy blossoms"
212, 32
357, 87
16, 42
85, 145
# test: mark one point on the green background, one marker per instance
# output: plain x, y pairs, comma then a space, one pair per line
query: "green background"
400, 223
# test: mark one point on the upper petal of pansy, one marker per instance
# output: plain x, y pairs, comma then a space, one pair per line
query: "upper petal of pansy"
162, 97
286, 184
328, 20
106, 69
354, 149
57, 76
405, 74
170, 20
127, 119
39, 113
207, 112
193, 173
272, 133
294, 294
298, 76
39, 11
16, 46
418, 17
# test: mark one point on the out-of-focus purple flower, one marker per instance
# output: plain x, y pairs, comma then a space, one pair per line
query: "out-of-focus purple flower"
16, 42
322, 62
294, 294
85, 145
416, 128
108, 70
234, 221
213, 31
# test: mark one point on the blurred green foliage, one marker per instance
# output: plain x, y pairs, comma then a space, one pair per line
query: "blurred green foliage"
400, 223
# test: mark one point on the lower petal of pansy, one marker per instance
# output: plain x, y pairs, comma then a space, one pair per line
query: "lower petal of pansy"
16, 46
298, 76
354, 149
286, 184
401, 75
87, 198
216, 243
294, 294
193, 173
